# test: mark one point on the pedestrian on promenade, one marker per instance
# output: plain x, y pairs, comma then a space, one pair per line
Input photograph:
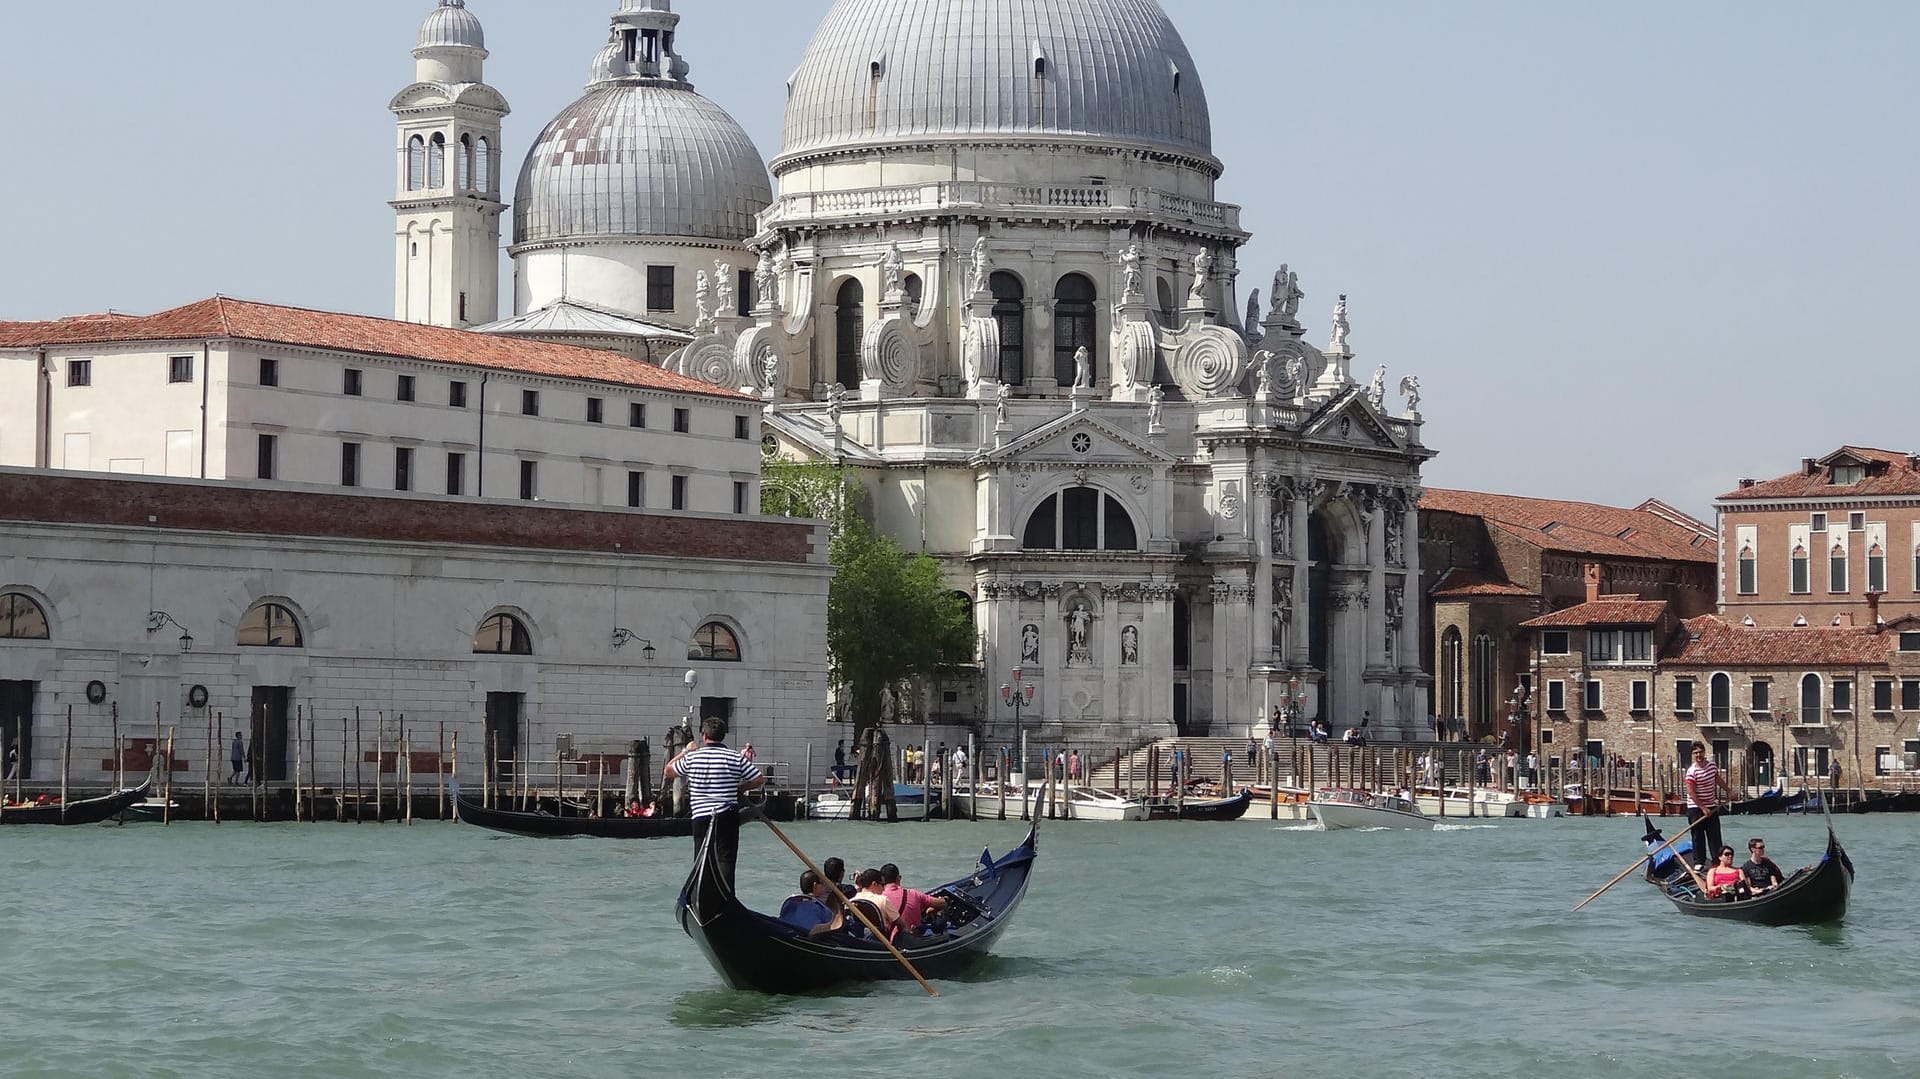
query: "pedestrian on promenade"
239, 757
716, 778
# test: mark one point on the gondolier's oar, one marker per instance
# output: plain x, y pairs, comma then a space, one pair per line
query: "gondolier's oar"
1683, 833
853, 908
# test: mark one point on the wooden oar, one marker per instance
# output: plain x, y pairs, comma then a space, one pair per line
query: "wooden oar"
853, 908
1681, 834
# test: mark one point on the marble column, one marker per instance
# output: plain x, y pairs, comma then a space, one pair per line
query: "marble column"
1414, 607
1376, 579
1303, 493
1260, 520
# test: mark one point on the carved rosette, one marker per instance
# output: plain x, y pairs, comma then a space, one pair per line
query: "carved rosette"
751, 354
889, 355
711, 359
1134, 348
980, 349
1210, 362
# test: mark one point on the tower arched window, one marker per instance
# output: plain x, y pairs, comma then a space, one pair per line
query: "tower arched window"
416, 163
503, 635
437, 161
1073, 325
1452, 687
849, 322
715, 642
1720, 699
1010, 315
269, 625
483, 167
1810, 699
1080, 519
21, 619
465, 163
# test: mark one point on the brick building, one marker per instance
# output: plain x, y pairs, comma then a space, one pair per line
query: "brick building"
1836, 542
1492, 562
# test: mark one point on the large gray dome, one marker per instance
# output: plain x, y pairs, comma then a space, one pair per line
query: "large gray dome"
882, 72
646, 159
452, 24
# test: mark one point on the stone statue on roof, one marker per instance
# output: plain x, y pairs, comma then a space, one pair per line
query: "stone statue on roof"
1337, 340
766, 280
1202, 271
893, 268
1130, 274
1410, 389
722, 288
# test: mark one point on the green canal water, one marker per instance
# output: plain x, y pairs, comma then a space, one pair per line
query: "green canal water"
1249, 949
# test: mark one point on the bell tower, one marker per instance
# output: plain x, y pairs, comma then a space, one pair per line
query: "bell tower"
447, 184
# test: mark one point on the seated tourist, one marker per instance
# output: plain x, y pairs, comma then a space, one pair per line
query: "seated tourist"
634, 809
1760, 871
1724, 879
913, 905
807, 909
871, 894
836, 871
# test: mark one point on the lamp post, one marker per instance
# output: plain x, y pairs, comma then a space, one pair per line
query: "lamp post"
1018, 695
1517, 722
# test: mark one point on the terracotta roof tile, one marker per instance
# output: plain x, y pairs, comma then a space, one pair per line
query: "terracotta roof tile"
1888, 473
1603, 612
1652, 530
1715, 642
221, 317
1465, 582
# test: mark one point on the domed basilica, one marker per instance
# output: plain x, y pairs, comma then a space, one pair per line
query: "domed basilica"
990, 278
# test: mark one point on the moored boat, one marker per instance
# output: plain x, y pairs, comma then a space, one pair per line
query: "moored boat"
1341, 807
544, 823
910, 803
756, 951
1811, 895
83, 811
1201, 808
1074, 802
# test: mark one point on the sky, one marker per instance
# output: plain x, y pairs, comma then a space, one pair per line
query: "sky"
1632, 250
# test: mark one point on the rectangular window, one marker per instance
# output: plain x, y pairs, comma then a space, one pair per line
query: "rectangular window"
1857, 521
1636, 645
529, 480
1639, 695
269, 371
179, 368
456, 395
1762, 699
594, 409
682, 420
1876, 570
456, 473
1556, 695
1909, 641
1817, 523
740, 428
1602, 644
636, 489
403, 469
1683, 695
1800, 583
1592, 702
1749, 575
659, 288
405, 391
1910, 694
349, 464
1883, 694
529, 402
1843, 695
350, 382
636, 415
1884, 760
1555, 642
79, 372
269, 456
739, 496
744, 290
680, 492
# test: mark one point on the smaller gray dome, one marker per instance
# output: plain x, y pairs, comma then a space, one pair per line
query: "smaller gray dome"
452, 24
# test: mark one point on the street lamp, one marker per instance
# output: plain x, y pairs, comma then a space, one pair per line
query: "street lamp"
1018, 695
157, 620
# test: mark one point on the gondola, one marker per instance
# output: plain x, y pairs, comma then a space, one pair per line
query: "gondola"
1210, 809
84, 811
1773, 800
1884, 802
1811, 895
755, 951
543, 823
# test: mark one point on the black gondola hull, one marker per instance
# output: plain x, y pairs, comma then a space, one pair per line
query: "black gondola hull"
756, 952
519, 822
1212, 809
85, 811
1815, 895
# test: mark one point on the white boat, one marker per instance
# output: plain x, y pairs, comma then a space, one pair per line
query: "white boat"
910, 802
1338, 808
1482, 801
1081, 803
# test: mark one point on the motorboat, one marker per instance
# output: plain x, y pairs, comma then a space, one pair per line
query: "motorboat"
1074, 802
910, 803
1343, 807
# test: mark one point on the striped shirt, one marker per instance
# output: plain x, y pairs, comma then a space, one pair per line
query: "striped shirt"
1703, 785
714, 777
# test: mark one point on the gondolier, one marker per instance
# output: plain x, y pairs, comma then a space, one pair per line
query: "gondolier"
716, 778
1704, 783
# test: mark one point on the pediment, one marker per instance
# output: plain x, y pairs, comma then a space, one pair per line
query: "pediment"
1349, 420
1080, 438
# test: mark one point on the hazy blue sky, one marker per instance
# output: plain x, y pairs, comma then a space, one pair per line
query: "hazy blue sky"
1631, 249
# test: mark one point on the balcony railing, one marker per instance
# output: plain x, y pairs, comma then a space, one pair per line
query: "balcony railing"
1096, 199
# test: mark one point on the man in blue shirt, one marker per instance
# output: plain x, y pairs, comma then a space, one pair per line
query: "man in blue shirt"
807, 910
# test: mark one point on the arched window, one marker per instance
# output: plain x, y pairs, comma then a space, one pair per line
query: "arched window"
1482, 673
1452, 689
503, 635
1072, 325
1876, 568
21, 619
1837, 567
1810, 699
1010, 315
1749, 582
437, 161
715, 642
483, 167
1720, 699
1163, 291
1799, 582
465, 163
849, 321
913, 287
416, 163
269, 625
1080, 519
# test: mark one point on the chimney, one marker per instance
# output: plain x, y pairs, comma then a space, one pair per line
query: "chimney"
1745, 482
1806, 466
1873, 609
1594, 580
